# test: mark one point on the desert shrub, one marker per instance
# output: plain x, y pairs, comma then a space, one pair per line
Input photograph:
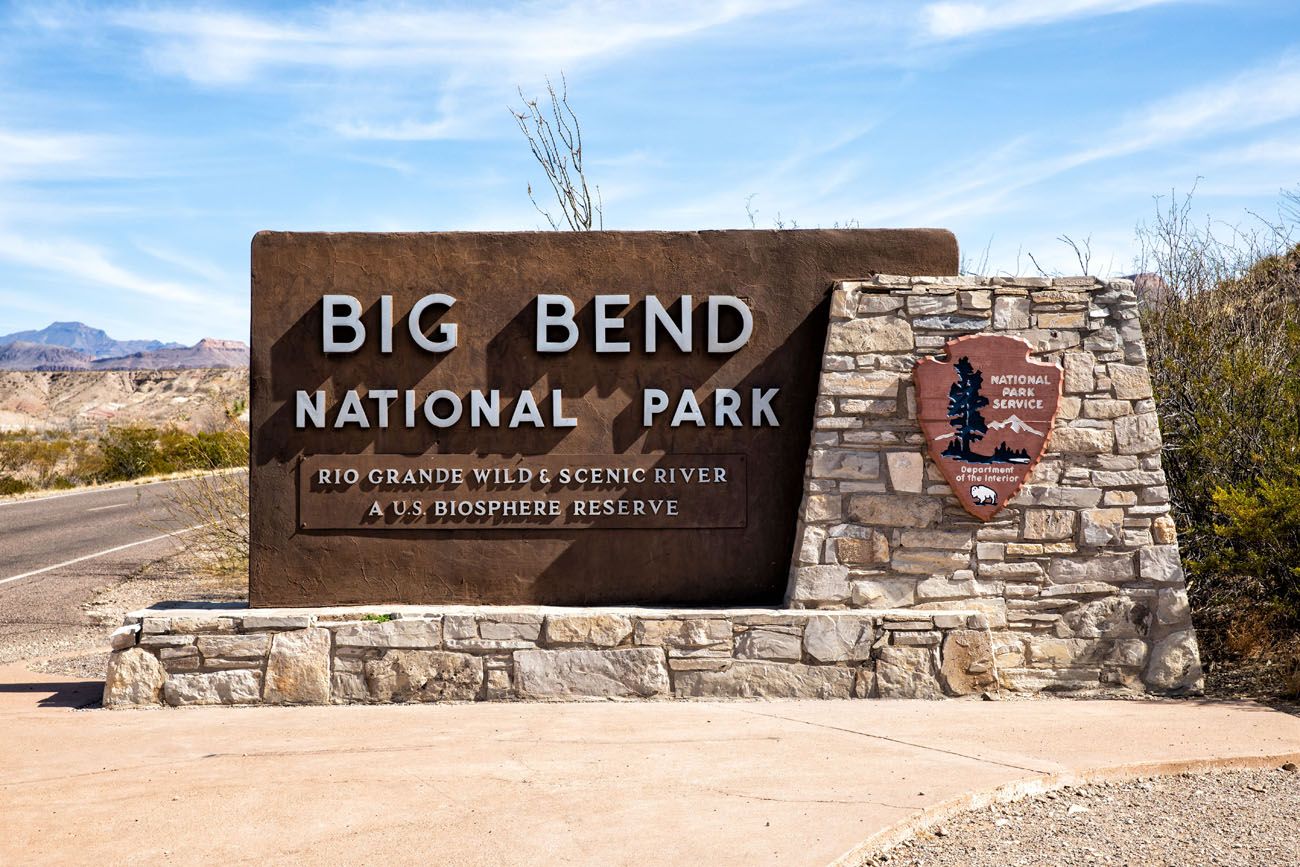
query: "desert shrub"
134, 451
10, 485
1224, 342
129, 452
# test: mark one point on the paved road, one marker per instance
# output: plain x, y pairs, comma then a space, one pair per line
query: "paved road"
57, 551
39, 533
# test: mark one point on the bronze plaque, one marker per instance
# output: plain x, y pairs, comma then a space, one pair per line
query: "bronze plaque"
566, 492
654, 348
986, 412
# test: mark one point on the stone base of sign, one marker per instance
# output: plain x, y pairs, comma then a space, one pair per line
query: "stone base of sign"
380, 654
1079, 577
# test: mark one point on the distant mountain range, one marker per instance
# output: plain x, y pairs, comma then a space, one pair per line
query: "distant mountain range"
76, 346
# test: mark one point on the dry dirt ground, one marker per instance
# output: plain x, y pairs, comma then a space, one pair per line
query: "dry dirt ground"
1245, 818
72, 638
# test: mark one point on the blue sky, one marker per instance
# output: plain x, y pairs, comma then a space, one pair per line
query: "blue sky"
142, 145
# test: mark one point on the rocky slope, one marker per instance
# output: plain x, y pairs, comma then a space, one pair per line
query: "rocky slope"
89, 399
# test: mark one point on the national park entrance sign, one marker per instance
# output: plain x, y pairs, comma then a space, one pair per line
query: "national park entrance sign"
541, 417
557, 465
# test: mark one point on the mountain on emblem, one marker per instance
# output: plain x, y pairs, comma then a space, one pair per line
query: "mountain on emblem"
1017, 425
986, 412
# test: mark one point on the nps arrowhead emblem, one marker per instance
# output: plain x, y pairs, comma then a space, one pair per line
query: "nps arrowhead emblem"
986, 413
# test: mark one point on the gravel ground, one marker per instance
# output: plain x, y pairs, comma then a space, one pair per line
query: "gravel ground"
1246, 818
77, 645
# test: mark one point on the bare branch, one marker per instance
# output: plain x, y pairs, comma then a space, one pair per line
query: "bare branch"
554, 136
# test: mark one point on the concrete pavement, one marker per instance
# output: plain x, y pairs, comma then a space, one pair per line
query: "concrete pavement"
599, 783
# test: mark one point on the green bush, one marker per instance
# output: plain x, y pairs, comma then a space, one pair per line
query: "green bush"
129, 452
1225, 361
9, 485
1258, 530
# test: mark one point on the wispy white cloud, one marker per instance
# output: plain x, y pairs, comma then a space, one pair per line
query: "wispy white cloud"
215, 47
960, 19
89, 264
463, 59
26, 154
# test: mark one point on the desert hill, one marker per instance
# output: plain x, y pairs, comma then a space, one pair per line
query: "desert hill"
84, 400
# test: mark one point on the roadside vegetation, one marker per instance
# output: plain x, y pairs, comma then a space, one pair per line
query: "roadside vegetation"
1222, 323
35, 461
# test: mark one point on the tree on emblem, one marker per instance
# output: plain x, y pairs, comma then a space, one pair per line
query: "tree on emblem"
964, 405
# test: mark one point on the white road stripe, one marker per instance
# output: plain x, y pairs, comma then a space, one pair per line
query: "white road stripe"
102, 508
100, 554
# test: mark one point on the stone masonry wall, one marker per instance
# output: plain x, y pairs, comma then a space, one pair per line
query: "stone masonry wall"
1079, 577
376, 654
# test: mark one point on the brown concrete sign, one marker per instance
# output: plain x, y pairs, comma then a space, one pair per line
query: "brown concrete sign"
549, 418
986, 412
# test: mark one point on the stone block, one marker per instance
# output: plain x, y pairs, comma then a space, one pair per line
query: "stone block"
1101, 526
1082, 441
1109, 617
1049, 524
587, 630
845, 464
424, 675
1010, 313
515, 627
685, 633
906, 471
1172, 607
872, 384
1161, 564
1063, 319
907, 672
250, 646
1079, 372
1105, 408
769, 644
885, 593
952, 540
253, 622
1115, 568
1130, 382
1163, 530
1175, 664
298, 668
392, 633
638, 672
1137, 434
745, 679
820, 508
920, 561
348, 686
868, 550
819, 584
135, 677
948, 587
967, 664
124, 636
870, 334
894, 510
239, 686
915, 638
838, 638
931, 305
